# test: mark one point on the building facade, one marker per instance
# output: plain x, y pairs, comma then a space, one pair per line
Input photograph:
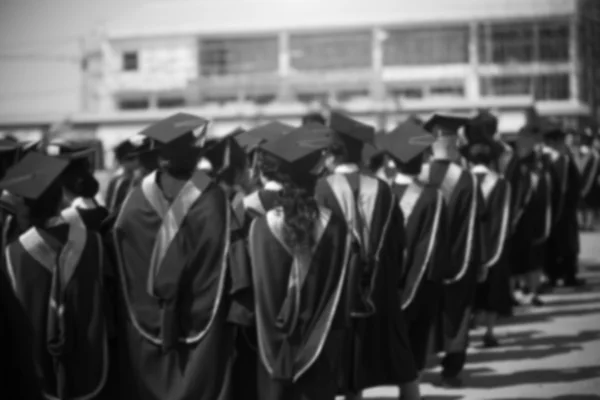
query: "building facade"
517, 49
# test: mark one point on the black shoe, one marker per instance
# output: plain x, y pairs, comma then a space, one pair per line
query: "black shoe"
537, 302
451, 382
489, 341
574, 282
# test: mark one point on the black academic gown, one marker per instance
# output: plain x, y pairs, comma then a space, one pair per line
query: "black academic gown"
173, 266
588, 165
60, 299
298, 297
425, 262
463, 198
92, 214
377, 347
563, 243
118, 188
494, 294
259, 202
17, 366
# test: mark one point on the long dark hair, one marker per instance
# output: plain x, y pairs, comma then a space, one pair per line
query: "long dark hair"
80, 181
300, 208
46, 206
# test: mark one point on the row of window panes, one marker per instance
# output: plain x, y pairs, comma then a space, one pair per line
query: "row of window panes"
498, 43
544, 87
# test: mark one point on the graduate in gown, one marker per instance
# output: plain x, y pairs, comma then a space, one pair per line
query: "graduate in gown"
79, 185
493, 293
564, 238
119, 185
56, 269
172, 238
377, 348
228, 166
463, 198
427, 239
266, 194
299, 254
587, 160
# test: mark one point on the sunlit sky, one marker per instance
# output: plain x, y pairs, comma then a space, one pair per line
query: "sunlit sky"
48, 30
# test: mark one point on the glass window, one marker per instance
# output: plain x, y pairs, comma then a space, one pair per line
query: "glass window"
262, 99
133, 104
171, 102
130, 61
447, 91
331, 51
552, 87
348, 95
554, 41
407, 93
506, 86
312, 97
426, 46
239, 56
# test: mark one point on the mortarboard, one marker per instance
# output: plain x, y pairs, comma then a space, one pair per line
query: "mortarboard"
219, 151
124, 150
9, 154
177, 130
33, 175
300, 151
263, 133
445, 124
351, 128
481, 128
74, 152
405, 142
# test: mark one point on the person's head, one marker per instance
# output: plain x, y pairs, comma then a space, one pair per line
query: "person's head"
37, 180
445, 129
124, 155
229, 163
313, 117
480, 154
78, 182
348, 137
295, 162
527, 139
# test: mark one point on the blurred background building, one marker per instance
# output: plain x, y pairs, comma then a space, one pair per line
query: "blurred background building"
245, 62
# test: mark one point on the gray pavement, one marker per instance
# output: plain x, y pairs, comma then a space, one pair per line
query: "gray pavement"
548, 353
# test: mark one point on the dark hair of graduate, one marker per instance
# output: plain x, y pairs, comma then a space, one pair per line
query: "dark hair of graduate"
46, 206
79, 181
179, 163
376, 162
346, 150
480, 154
297, 200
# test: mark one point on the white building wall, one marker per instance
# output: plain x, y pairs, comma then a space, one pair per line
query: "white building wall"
164, 64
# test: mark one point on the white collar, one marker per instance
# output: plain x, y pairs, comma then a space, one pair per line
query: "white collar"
346, 169
402, 179
273, 186
480, 169
204, 165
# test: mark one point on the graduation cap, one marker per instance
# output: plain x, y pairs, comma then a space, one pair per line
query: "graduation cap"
75, 153
221, 151
405, 142
301, 150
349, 128
481, 128
177, 131
124, 150
445, 125
253, 138
33, 175
9, 154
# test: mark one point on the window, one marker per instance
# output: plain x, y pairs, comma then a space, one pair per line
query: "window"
506, 86
239, 56
331, 51
221, 100
524, 42
312, 97
552, 87
133, 104
171, 102
407, 93
349, 95
426, 46
447, 91
130, 61
262, 99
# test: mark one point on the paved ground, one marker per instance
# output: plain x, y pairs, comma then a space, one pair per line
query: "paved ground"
548, 353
